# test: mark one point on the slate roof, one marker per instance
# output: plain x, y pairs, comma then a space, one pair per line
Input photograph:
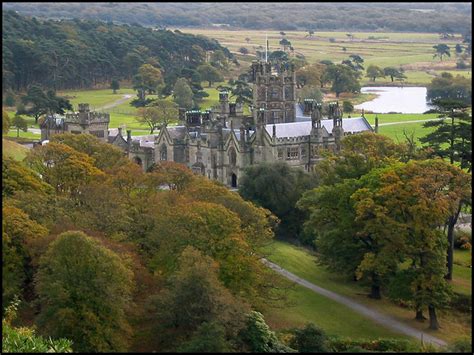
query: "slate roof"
297, 129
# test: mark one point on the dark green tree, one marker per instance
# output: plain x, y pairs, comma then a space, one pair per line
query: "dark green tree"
278, 187
19, 123
309, 339
115, 85
441, 50
209, 73
343, 79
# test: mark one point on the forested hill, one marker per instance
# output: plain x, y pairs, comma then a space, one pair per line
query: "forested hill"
65, 54
369, 16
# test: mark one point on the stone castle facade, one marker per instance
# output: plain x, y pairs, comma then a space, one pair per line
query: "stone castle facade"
220, 143
83, 121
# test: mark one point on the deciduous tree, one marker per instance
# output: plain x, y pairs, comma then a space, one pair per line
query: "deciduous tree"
84, 291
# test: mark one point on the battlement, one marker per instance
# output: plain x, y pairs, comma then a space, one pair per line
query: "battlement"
85, 116
290, 140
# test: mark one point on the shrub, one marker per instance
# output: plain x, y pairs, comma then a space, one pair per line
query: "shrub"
347, 107
462, 239
462, 303
336, 344
309, 339
461, 64
332, 40
461, 346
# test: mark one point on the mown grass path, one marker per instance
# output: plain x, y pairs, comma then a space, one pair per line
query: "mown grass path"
380, 318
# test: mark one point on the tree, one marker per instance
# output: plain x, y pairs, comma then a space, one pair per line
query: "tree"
219, 59
40, 103
24, 339
258, 337
459, 48
146, 80
311, 92
452, 138
441, 49
243, 50
19, 234
182, 94
310, 75
158, 115
63, 167
407, 204
19, 123
105, 156
115, 85
285, 44
84, 290
247, 39
209, 337
343, 79
209, 73
347, 107
16, 177
277, 187
242, 91
355, 63
310, 33
195, 297
309, 339
374, 72
5, 122
447, 86
393, 73
278, 57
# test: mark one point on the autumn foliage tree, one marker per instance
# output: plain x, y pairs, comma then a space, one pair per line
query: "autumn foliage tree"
63, 167
84, 290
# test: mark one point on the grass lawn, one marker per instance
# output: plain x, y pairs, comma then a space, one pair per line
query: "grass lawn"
95, 98
13, 150
302, 262
306, 306
29, 135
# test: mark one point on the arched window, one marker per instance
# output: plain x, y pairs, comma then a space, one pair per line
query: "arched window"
232, 157
163, 152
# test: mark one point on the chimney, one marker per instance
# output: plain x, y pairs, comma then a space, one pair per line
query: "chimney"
274, 131
120, 131
129, 135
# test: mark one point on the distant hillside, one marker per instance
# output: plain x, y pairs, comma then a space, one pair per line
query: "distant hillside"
71, 54
369, 16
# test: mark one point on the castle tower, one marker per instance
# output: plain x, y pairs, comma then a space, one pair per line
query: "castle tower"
275, 92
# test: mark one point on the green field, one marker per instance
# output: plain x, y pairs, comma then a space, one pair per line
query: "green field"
302, 263
413, 51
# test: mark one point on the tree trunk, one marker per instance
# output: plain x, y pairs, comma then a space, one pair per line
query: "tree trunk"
18, 133
210, 84
433, 318
450, 256
391, 77
419, 315
375, 288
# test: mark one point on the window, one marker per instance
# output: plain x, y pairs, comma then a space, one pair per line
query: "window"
232, 157
303, 152
288, 93
280, 153
163, 153
292, 153
99, 134
274, 94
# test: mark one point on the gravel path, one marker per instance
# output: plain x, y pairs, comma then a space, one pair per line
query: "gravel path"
116, 103
378, 317
415, 121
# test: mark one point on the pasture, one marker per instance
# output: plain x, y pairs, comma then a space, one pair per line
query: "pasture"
411, 51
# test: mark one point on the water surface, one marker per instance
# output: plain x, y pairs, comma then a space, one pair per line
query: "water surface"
396, 99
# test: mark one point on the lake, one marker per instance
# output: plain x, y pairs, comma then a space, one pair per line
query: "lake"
395, 99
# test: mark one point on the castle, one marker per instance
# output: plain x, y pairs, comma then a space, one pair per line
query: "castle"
222, 142
84, 121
